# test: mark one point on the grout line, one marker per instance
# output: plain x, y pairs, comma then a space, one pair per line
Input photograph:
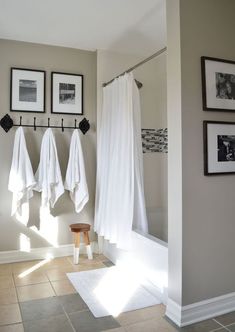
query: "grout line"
70, 323
215, 320
17, 299
222, 326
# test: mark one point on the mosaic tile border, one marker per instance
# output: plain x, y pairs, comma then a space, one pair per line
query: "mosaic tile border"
155, 140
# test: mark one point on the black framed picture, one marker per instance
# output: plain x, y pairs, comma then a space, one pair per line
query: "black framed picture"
218, 84
66, 93
27, 90
219, 147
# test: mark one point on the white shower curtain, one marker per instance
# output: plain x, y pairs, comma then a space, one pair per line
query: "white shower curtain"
120, 204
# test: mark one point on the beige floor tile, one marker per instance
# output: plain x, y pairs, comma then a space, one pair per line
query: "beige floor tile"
135, 316
33, 292
60, 262
8, 296
90, 266
6, 282
12, 328
58, 273
5, 269
63, 287
84, 260
119, 329
21, 267
154, 325
30, 279
10, 314
100, 257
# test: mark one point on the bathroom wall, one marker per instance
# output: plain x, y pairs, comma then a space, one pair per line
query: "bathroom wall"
49, 58
154, 115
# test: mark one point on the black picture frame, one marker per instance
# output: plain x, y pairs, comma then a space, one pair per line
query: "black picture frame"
71, 105
37, 104
215, 94
219, 159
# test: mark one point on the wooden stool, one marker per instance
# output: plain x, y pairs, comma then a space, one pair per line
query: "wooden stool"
77, 229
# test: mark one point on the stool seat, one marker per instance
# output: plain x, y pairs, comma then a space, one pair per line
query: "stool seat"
80, 227
76, 229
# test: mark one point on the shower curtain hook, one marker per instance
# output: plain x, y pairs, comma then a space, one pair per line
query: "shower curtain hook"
62, 124
34, 123
20, 120
48, 123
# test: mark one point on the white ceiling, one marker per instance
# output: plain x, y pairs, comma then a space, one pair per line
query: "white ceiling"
127, 26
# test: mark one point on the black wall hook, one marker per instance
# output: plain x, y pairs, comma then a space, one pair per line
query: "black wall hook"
62, 124
20, 120
84, 126
34, 124
48, 123
75, 123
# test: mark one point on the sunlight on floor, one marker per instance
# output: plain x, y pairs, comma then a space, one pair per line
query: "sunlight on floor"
36, 266
120, 283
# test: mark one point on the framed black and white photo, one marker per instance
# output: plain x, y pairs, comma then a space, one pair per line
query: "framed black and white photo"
27, 90
219, 147
66, 93
218, 84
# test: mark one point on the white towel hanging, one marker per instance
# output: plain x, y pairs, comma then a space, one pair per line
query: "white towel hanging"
21, 179
75, 180
48, 175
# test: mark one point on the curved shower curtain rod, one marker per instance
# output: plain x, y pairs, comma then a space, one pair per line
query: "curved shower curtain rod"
139, 84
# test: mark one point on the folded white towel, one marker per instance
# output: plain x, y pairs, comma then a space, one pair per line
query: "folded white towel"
21, 179
48, 175
75, 180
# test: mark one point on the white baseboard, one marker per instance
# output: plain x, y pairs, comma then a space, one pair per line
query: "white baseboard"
42, 253
197, 312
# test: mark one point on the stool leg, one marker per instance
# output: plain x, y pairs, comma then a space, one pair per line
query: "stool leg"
88, 246
76, 248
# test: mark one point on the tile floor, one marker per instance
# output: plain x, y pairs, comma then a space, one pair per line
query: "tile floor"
38, 297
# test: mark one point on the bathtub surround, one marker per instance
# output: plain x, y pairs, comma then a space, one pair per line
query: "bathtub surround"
57, 233
201, 214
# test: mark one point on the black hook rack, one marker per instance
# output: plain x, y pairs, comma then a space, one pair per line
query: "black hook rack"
7, 123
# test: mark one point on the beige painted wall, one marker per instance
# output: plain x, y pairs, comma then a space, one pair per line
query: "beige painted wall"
49, 58
201, 216
207, 28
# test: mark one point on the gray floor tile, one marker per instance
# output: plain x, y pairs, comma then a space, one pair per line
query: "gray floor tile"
72, 303
226, 319
231, 328
52, 324
204, 326
108, 263
38, 309
84, 321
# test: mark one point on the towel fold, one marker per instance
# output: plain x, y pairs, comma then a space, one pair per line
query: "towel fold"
21, 178
48, 175
75, 180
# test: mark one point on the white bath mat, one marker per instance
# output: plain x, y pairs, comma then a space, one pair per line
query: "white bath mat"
110, 291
